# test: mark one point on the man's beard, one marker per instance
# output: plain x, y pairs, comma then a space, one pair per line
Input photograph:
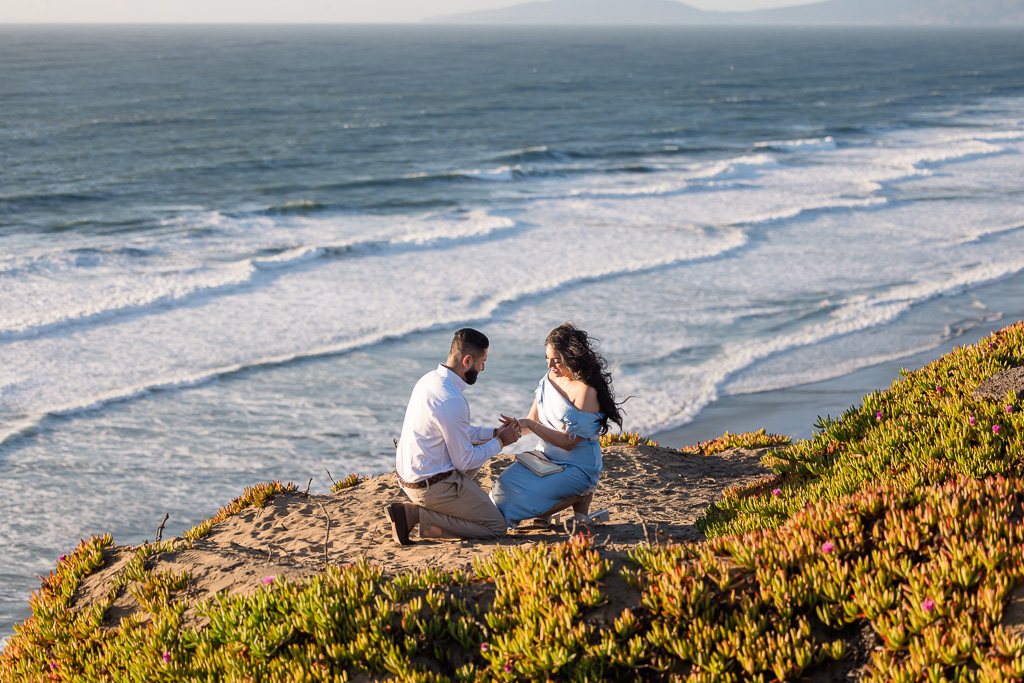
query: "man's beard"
471, 376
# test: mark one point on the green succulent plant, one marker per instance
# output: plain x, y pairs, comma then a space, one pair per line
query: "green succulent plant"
902, 518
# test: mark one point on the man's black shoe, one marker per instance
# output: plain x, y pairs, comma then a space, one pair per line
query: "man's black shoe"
395, 514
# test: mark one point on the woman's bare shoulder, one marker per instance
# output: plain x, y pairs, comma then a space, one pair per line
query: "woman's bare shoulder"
585, 399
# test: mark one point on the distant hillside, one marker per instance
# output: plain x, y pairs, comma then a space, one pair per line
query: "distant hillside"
585, 12
936, 12
670, 12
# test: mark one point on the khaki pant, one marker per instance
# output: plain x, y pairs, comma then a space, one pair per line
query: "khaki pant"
458, 507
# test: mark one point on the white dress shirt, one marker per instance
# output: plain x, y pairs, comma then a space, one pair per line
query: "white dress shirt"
436, 435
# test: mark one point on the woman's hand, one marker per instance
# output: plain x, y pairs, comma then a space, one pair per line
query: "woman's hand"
506, 421
525, 424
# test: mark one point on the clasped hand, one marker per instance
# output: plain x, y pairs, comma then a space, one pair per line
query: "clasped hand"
510, 430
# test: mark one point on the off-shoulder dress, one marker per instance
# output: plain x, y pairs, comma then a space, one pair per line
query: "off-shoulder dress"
521, 494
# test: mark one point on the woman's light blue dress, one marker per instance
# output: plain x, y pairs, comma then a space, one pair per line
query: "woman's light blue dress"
519, 493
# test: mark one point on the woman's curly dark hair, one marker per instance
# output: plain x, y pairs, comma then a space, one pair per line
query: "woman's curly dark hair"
587, 366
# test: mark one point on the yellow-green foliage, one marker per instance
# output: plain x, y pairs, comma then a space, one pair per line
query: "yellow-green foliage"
758, 439
927, 427
906, 525
534, 630
929, 570
60, 643
348, 482
632, 438
254, 495
54, 632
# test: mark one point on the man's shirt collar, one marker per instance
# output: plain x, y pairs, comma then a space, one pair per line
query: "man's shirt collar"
449, 374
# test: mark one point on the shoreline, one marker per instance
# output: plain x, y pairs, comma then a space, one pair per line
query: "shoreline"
792, 411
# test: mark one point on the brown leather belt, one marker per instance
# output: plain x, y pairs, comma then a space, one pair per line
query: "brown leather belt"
426, 482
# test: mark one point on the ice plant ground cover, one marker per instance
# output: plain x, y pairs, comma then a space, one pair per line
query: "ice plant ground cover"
926, 428
900, 524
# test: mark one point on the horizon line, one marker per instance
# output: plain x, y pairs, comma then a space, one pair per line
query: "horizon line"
491, 24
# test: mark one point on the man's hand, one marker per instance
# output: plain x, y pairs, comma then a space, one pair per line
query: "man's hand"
508, 433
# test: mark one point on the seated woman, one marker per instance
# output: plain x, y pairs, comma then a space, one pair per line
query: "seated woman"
572, 407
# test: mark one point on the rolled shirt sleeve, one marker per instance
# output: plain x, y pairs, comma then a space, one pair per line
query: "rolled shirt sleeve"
480, 434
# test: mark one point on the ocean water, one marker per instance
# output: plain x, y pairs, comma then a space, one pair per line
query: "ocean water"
226, 254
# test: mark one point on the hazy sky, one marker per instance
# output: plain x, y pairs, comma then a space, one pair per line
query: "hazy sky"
277, 11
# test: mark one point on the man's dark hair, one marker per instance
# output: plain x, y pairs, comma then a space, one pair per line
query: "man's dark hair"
469, 342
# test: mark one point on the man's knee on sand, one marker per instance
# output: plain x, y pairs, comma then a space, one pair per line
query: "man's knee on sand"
494, 526
498, 526
493, 520
476, 521
496, 531
489, 532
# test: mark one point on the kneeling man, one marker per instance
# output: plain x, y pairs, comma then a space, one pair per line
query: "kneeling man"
439, 452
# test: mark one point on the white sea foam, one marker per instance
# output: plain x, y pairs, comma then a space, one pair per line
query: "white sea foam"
915, 161
982, 233
668, 407
337, 307
334, 283
838, 176
745, 166
478, 224
827, 142
499, 174
683, 390
925, 251
291, 257
834, 367
42, 299
124, 284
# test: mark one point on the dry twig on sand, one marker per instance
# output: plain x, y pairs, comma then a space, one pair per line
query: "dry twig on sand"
160, 529
327, 536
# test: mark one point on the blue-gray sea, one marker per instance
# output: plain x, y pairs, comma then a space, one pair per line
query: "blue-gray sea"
227, 253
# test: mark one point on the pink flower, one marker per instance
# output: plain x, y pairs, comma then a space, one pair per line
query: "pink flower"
53, 665
972, 420
991, 345
267, 580
62, 558
928, 605
507, 668
776, 492
995, 429
827, 547
167, 658
1009, 409
483, 647
879, 415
